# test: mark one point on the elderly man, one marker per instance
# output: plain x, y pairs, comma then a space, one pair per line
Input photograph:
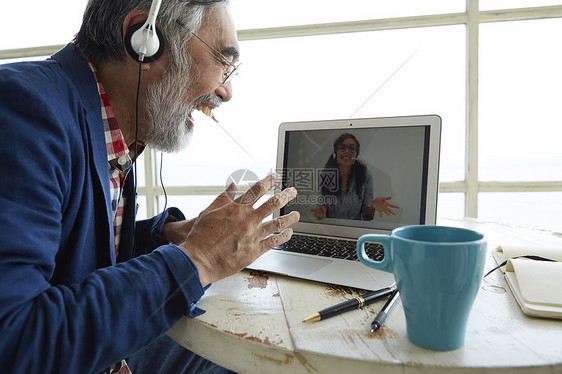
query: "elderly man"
82, 286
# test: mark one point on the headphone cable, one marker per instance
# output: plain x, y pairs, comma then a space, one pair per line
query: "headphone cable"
137, 126
136, 154
163, 189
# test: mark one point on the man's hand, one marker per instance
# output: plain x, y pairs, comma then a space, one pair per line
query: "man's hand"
226, 239
176, 231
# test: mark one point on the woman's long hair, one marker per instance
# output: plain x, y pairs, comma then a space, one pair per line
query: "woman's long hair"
358, 169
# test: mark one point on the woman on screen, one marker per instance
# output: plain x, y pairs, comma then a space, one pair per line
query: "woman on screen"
346, 186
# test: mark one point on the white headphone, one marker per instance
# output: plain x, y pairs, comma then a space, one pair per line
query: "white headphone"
142, 41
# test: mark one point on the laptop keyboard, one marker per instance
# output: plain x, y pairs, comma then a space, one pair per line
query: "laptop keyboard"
330, 247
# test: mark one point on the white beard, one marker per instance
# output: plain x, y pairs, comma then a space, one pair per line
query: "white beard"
167, 116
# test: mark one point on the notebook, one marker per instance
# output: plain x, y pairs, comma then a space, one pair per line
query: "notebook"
535, 284
395, 160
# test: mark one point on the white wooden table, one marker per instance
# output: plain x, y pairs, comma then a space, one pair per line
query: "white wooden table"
253, 324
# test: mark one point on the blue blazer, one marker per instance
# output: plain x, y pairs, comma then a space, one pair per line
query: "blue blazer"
66, 303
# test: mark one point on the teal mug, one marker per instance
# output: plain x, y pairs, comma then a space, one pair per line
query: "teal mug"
438, 270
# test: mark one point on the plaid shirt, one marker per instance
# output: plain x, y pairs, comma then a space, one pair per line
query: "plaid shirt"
118, 159
119, 163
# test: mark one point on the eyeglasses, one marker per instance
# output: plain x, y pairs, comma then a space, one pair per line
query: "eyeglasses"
345, 147
232, 69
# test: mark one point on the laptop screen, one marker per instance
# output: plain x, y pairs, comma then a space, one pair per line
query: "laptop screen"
372, 174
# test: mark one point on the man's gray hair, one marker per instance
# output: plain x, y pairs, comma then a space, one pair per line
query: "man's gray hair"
100, 38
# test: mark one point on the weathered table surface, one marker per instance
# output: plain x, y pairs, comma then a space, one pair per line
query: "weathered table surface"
253, 324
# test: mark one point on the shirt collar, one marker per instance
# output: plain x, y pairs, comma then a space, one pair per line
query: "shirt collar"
118, 154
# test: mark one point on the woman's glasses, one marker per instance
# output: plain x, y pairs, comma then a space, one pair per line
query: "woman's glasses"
344, 147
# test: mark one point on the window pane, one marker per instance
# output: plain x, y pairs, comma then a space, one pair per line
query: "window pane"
22, 59
520, 112
141, 212
139, 168
250, 14
512, 4
540, 209
33, 23
192, 205
450, 205
340, 76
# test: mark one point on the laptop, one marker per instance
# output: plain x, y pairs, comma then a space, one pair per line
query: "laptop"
395, 161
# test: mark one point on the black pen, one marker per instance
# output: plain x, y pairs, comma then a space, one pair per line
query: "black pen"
379, 319
356, 303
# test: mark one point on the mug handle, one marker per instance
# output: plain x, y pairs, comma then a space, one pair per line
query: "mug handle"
384, 240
